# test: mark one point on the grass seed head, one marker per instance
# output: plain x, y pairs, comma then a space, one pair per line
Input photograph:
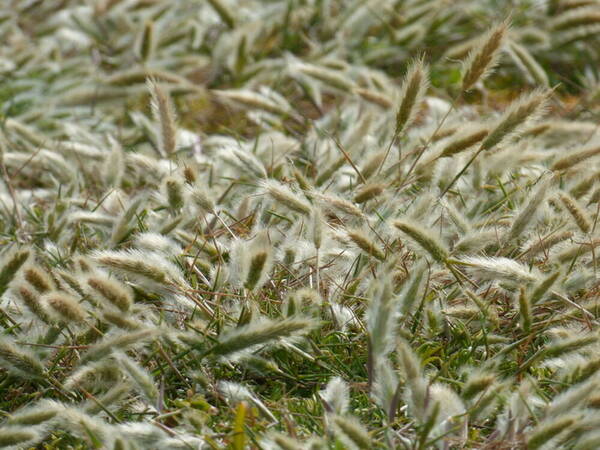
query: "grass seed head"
115, 292
366, 244
528, 108
37, 278
369, 192
11, 263
412, 92
283, 195
64, 307
164, 114
484, 55
577, 212
352, 433
20, 362
425, 239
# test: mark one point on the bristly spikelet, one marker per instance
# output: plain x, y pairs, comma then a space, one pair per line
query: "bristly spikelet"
116, 342
174, 193
17, 437
224, 12
368, 192
484, 55
352, 433
545, 244
201, 197
336, 396
497, 268
333, 78
164, 114
20, 362
525, 310
476, 383
566, 162
260, 260
579, 215
528, 64
140, 377
463, 141
365, 243
380, 323
190, 175
412, 92
337, 204
372, 164
65, 307
115, 317
584, 186
146, 41
576, 18
416, 383
33, 302
157, 243
425, 239
522, 112
284, 196
113, 167
525, 217
70, 282
548, 429
281, 441
112, 396
37, 278
475, 241
122, 228
11, 263
146, 266
39, 413
543, 287
317, 228
246, 337
115, 292
327, 172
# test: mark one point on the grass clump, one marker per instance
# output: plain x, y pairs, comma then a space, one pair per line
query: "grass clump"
206, 241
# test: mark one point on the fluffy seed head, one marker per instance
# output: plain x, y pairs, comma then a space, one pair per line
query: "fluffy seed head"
484, 56
463, 141
18, 361
11, 264
352, 433
525, 217
519, 115
65, 307
164, 114
575, 158
283, 195
528, 64
425, 239
368, 192
495, 268
260, 333
366, 244
115, 292
140, 377
174, 191
38, 279
413, 90
579, 215
33, 302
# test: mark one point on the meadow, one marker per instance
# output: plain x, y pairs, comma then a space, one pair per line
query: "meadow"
299, 224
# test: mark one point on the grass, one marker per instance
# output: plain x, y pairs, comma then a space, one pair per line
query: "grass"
299, 224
